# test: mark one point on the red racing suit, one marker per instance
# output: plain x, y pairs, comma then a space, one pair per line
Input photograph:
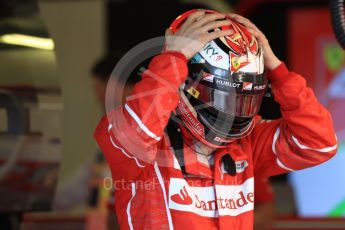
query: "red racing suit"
263, 191
153, 193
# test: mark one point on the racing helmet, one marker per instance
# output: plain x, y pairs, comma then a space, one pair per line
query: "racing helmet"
224, 87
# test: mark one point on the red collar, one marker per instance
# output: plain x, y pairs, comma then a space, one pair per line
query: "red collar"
195, 164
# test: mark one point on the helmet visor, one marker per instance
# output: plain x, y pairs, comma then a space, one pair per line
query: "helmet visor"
219, 123
238, 105
240, 100
236, 94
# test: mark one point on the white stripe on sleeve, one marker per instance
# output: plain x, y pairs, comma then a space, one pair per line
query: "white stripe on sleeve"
123, 151
141, 124
275, 138
323, 150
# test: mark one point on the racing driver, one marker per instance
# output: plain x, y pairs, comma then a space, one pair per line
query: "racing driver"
186, 146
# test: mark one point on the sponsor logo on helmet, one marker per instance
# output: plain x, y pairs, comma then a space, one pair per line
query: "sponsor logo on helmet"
212, 201
213, 52
215, 56
192, 91
207, 76
247, 86
210, 50
226, 83
259, 87
189, 119
238, 62
219, 57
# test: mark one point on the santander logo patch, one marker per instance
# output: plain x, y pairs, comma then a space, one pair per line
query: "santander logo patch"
182, 197
221, 200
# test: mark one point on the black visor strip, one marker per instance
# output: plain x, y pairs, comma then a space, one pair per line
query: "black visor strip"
226, 86
197, 71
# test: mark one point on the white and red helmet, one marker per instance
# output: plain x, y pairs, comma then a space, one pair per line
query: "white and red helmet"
224, 88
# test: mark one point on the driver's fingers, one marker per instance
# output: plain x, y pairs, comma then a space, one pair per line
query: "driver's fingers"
218, 34
232, 15
255, 33
258, 35
245, 21
206, 19
193, 17
213, 25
